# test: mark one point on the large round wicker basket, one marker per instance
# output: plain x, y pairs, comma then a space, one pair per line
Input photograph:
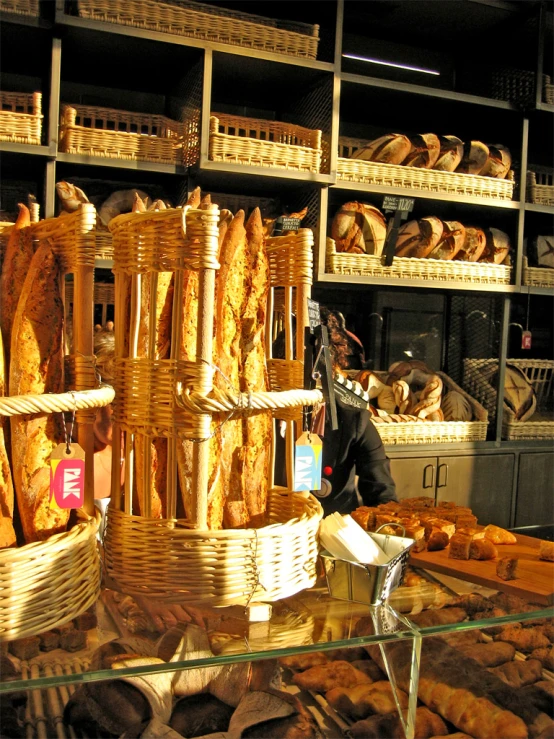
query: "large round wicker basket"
170, 563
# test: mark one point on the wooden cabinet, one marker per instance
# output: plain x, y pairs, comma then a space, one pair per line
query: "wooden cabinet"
535, 489
414, 477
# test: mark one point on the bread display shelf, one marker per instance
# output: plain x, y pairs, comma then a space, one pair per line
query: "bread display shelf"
537, 276
539, 373
21, 116
548, 90
206, 22
535, 580
540, 186
119, 134
412, 268
418, 178
258, 143
20, 7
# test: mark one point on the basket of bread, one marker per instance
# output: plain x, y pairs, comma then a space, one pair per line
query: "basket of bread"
426, 249
528, 407
21, 117
199, 518
540, 185
412, 404
49, 565
120, 134
20, 7
538, 263
438, 164
207, 22
259, 143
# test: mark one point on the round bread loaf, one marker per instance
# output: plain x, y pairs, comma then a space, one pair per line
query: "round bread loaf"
456, 407
473, 246
419, 238
200, 714
497, 246
498, 162
392, 148
424, 151
450, 155
359, 228
452, 240
475, 157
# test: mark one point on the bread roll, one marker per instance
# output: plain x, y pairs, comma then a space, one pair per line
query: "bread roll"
337, 674
17, 258
7, 533
546, 550
489, 655
474, 245
257, 429
37, 367
424, 152
392, 148
506, 568
498, 162
451, 241
419, 238
359, 228
519, 673
474, 158
482, 549
450, 155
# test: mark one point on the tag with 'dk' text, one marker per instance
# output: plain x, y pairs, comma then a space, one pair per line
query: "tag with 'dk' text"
307, 463
67, 476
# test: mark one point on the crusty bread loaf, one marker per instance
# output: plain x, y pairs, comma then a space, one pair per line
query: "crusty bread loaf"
489, 655
7, 533
37, 367
519, 394
482, 549
257, 429
392, 148
519, 673
424, 152
474, 158
17, 258
498, 162
419, 238
497, 246
359, 228
473, 246
451, 241
451, 152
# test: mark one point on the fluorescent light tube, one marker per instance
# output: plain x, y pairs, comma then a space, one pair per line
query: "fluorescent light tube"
391, 64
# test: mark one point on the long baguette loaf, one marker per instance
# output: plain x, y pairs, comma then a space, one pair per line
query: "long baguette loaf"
7, 533
257, 429
37, 367
19, 252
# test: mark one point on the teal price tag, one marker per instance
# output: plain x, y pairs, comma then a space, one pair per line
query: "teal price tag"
307, 463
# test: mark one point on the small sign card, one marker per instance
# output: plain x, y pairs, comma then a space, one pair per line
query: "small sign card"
307, 463
67, 476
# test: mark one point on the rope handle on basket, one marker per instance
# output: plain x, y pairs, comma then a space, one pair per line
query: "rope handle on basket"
55, 402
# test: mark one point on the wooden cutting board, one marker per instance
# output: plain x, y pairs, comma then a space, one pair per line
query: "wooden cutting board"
535, 581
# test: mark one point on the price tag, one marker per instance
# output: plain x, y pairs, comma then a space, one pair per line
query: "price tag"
401, 208
406, 205
526, 340
67, 476
307, 463
314, 315
284, 223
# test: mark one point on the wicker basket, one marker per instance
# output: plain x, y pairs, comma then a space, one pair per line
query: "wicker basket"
540, 186
539, 372
537, 276
21, 117
20, 7
258, 143
438, 432
514, 85
186, 18
411, 268
548, 90
416, 178
119, 134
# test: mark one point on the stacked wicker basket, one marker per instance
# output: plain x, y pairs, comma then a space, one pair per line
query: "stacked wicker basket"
21, 117
44, 584
181, 559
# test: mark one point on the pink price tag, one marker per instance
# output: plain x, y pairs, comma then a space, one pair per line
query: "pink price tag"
67, 477
526, 340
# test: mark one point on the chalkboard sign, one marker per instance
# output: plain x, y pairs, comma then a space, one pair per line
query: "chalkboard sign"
314, 315
284, 223
348, 397
391, 202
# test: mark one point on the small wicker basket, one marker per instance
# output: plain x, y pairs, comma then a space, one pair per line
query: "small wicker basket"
119, 134
540, 374
540, 186
411, 268
537, 276
19, 7
21, 117
202, 21
548, 90
417, 178
259, 143
438, 432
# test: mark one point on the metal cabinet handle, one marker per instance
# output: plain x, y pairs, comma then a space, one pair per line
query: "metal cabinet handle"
442, 483
426, 482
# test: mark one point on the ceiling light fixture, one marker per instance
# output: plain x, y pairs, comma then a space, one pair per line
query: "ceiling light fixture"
391, 64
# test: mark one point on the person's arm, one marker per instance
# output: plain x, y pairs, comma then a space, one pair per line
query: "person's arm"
375, 483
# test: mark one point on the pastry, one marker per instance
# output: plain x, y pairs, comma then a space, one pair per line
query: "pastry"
482, 549
498, 535
523, 639
545, 654
332, 675
362, 700
304, 661
459, 546
546, 550
490, 654
506, 568
519, 673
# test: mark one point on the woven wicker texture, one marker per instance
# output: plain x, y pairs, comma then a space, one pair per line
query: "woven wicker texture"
548, 90
47, 583
516, 85
20, 7
71, 237
174, 564
208, 23
539, 372
433, 432
103, 293
540, 186
119, 134
417, 178
537, 276
21, 116
259, 143
368, 265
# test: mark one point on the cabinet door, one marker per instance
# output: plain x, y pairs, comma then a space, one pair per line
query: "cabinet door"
482, 482
414, 477
535, 482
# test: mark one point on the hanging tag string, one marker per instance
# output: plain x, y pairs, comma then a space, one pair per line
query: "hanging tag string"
69, 436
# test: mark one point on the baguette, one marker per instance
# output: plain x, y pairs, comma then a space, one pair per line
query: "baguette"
7, 533
17, 258
37, 367
257, 429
